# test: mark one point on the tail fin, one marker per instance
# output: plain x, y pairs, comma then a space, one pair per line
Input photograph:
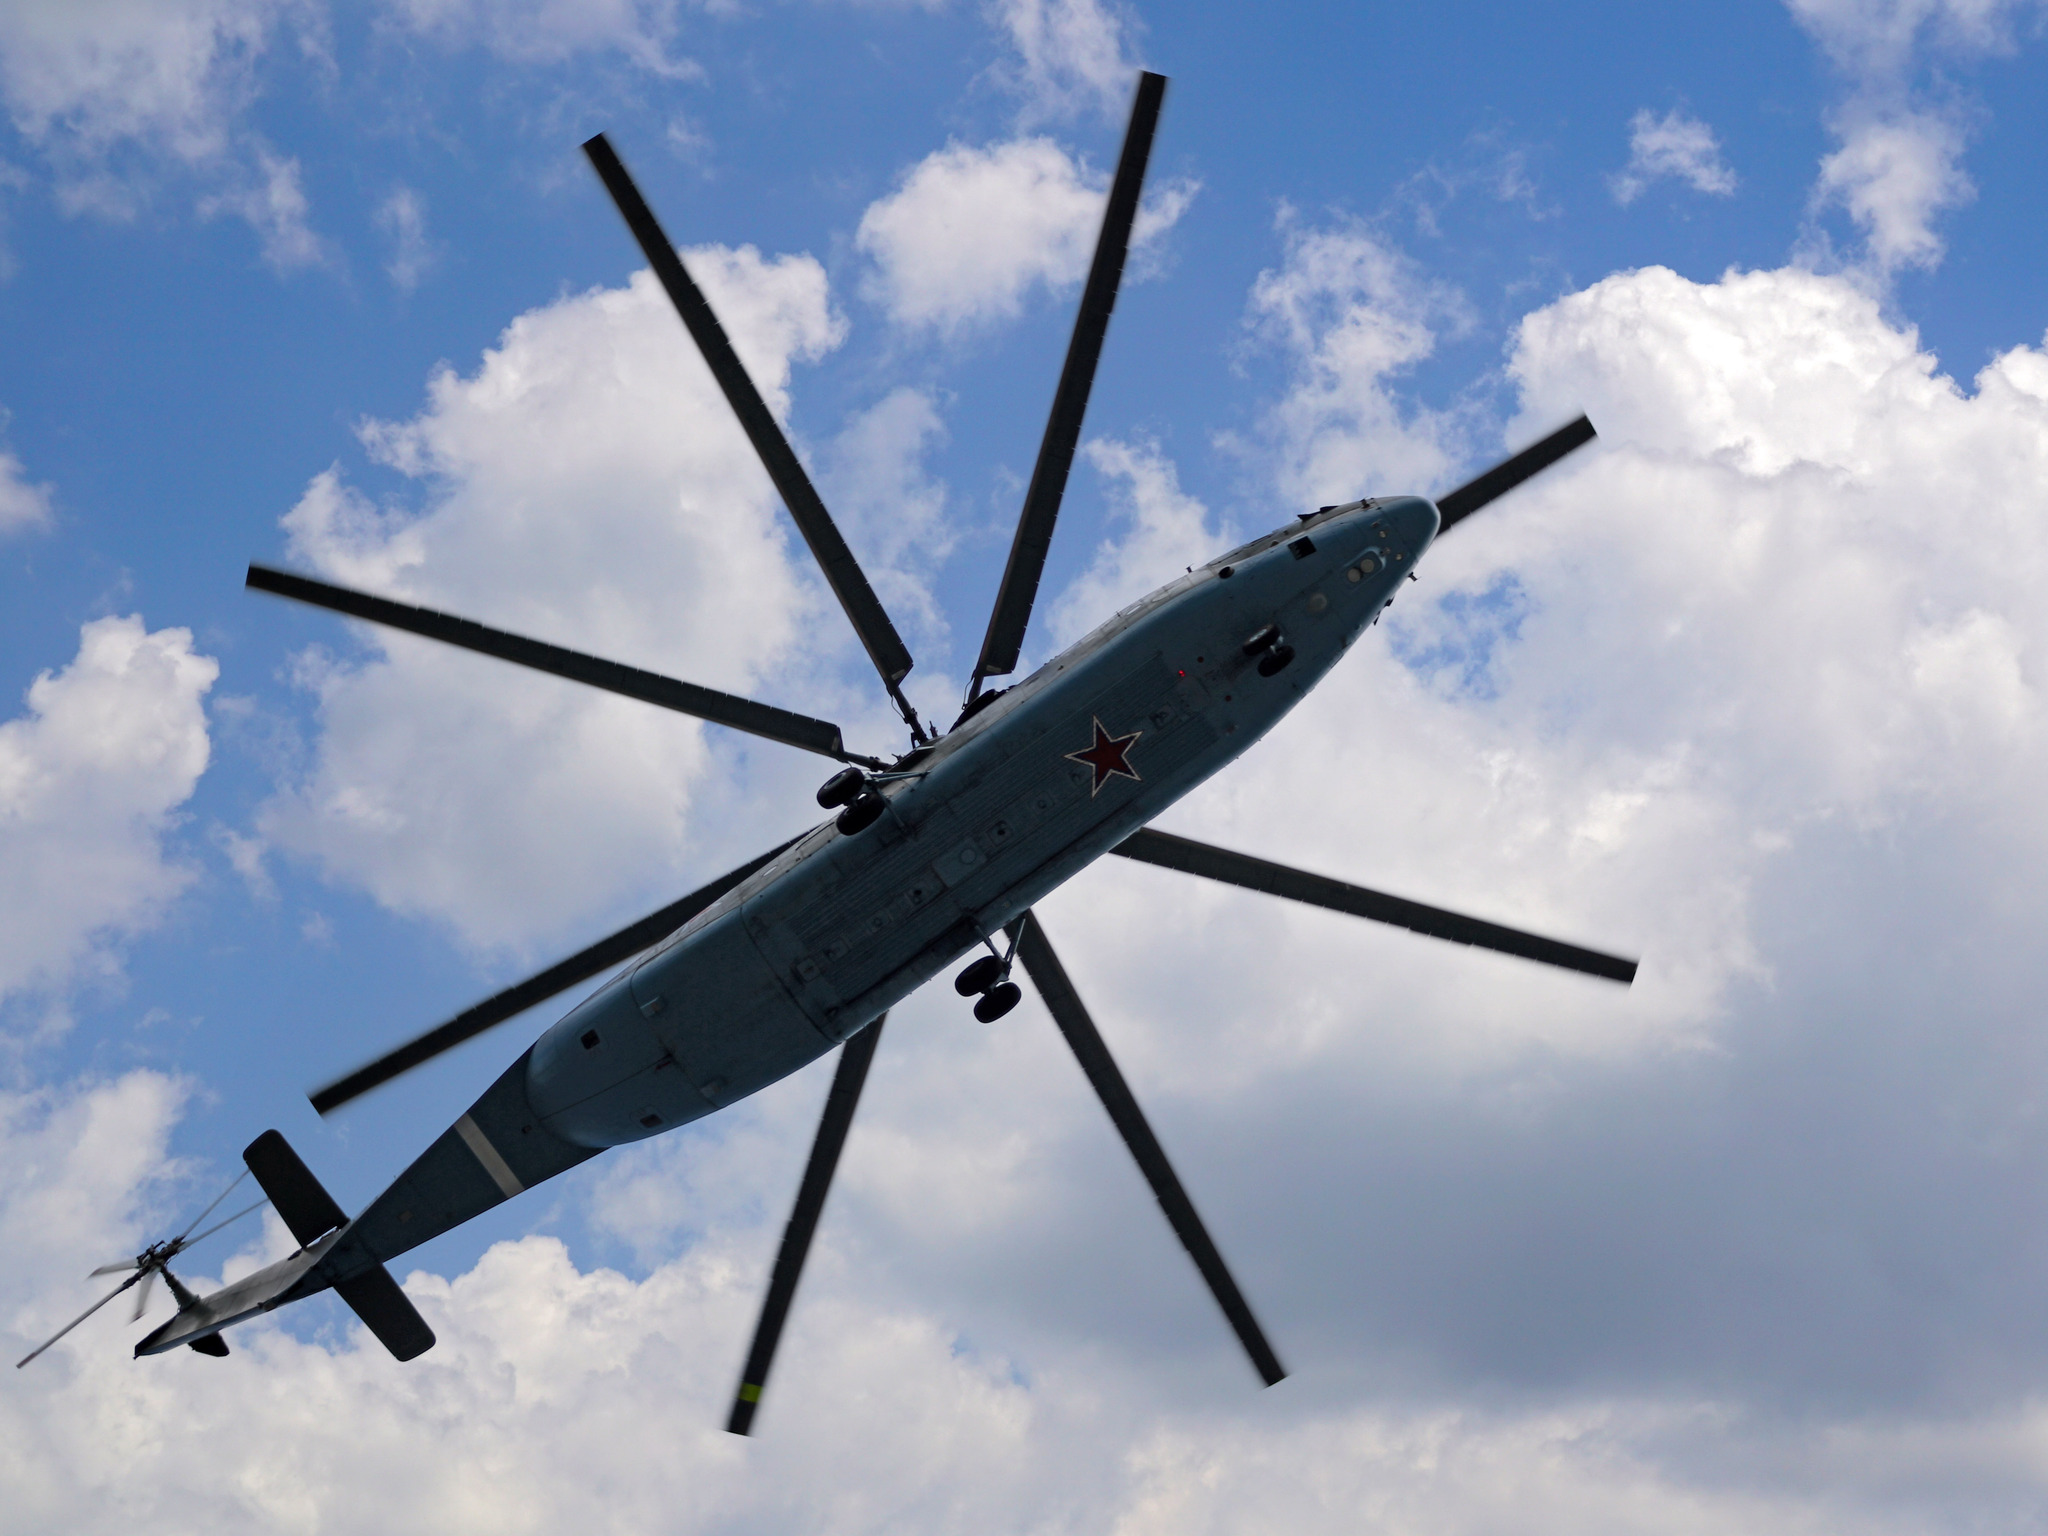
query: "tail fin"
310, 1212
387, 1312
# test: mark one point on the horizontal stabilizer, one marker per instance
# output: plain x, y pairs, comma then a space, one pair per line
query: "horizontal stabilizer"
213, 1344
308, 1210
387, 1312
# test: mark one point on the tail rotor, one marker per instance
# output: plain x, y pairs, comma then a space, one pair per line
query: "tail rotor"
154, 1260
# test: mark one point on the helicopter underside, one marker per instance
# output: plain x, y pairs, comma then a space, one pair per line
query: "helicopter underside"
837, 929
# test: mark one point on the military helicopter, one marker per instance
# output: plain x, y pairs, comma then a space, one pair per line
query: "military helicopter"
930, 855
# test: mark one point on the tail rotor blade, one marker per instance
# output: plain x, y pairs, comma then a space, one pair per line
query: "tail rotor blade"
225, 1221
1012, 614
142, 1296
88, 1312
1511, 472
1064, 1003
121, 1268
515, 1000
842, 572
854, 1059
212, 1206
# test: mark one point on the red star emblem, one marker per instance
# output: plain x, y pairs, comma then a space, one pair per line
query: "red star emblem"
1109, 757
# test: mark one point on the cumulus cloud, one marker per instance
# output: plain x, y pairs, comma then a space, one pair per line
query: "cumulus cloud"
1751, 687
1703, 694
91, 779
587, 484
1156, 531
1071, 56
971, 231
549, 1381
879, 490
85, 76
1900, 161
1673, 145
1893, 175
1350, 314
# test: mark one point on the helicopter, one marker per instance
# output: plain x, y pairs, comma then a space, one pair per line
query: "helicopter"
937, 852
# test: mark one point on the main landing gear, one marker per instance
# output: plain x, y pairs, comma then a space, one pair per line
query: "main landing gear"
989, 975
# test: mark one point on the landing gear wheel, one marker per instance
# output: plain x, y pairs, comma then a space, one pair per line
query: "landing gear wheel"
841, 787
863, 812
1262, 640
997, 1001
1275, 660
978, 976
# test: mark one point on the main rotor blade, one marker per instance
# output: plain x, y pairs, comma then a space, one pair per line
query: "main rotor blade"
852, 1072
559, 977
1050, 977
1511, 472
1006, 625
88, 1312
1192, 858
726, 709
842, 571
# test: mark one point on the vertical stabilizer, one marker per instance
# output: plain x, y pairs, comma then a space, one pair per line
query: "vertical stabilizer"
308, 1210
311, 1213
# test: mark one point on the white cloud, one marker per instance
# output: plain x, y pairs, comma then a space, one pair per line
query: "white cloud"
22, 505
91, 779
586, 485
551, 31
1752, 686
1894, 174
880, 494
970, 232
83, 76
403, 218
273, 203
1876, 37
1072, 56
121, 96
1350, 315
1672, 145
1900, 160
1157, 531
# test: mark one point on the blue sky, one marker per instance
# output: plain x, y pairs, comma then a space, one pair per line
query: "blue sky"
1753, 689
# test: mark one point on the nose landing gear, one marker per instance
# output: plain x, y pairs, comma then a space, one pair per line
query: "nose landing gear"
1271, 648
863, 803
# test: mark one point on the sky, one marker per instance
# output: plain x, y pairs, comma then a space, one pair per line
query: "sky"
1752, 688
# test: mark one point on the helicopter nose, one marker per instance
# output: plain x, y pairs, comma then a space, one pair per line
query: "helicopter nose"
1415, 521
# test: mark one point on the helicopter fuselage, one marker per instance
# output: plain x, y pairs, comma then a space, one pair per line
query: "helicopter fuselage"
1012, 803
1022, 794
